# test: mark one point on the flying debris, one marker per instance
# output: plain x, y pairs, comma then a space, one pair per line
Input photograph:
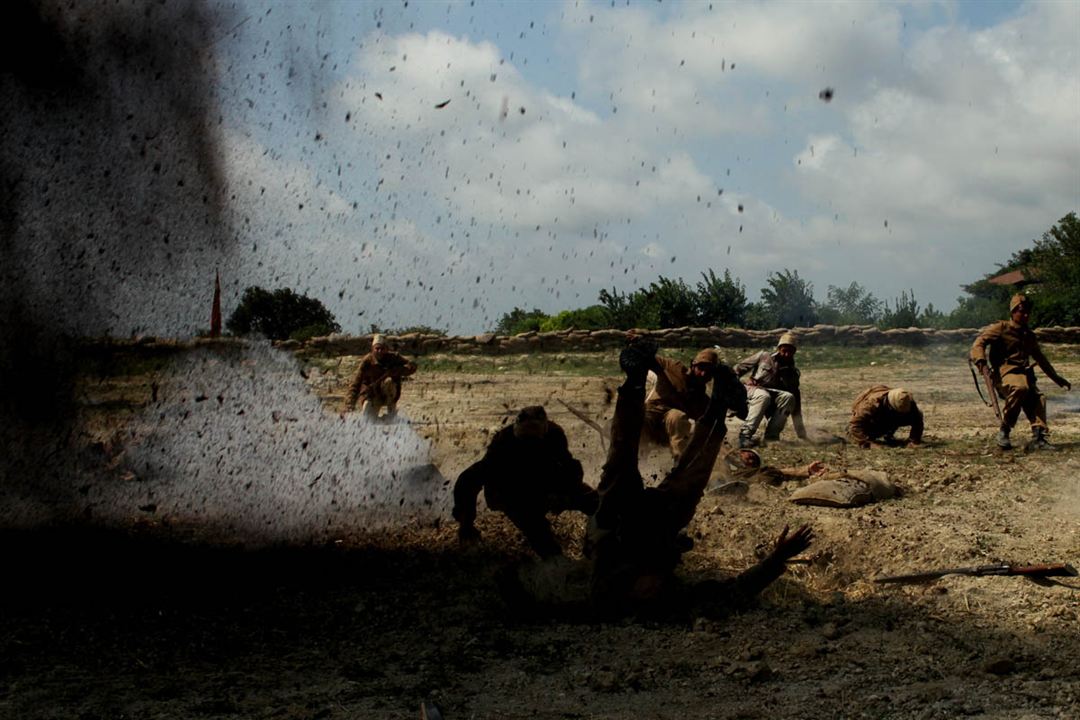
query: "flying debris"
826, 95
378, 95
441, 105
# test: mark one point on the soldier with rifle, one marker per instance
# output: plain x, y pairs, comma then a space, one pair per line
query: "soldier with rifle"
378, 381
1003, 353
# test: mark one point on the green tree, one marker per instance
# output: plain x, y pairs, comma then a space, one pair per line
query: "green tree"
519, 321
594, 317
788, 301
280, 314
1055, 262
720, 302
903, 314
675, 302
630, 310
853, 305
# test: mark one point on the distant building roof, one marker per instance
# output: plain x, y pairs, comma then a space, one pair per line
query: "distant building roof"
1014, 277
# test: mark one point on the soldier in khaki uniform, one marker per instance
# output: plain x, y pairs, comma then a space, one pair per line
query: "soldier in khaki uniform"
772, 390
636, 538
1009, 346
879, 412
744, 466
678, 397
378, 381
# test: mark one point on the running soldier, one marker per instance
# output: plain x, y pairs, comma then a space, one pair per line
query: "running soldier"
527, 472
772, 390
378, 381
1009, 346
879, 412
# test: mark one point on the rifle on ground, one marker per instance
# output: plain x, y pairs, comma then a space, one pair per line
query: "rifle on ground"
984, 370
1031, 571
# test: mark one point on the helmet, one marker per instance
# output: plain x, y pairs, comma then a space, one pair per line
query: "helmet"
900, 400
1018, 300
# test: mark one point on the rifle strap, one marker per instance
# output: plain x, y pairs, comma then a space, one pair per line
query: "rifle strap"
978, 387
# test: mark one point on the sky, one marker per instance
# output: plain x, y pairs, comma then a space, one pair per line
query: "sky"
441, 163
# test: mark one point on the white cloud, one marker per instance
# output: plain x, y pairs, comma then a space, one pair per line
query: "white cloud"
944, 150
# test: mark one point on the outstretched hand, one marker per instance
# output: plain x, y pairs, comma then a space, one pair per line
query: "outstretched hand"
788, 546
1063, 383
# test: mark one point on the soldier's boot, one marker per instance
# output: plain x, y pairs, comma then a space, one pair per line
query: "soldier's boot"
1038, 440
636, 359
746, 441
1003, 441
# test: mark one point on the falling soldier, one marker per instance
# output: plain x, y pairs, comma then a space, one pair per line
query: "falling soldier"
772, 390
1008, 347
879, 412
527, 472
378, 381
677, 399
635, 540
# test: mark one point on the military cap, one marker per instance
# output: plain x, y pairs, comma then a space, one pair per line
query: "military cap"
900, 400
708, 356
1017, 300
787, 339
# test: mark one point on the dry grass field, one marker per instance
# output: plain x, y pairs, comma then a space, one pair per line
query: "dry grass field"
220, 555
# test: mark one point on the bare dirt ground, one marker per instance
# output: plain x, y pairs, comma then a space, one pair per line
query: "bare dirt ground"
144, 619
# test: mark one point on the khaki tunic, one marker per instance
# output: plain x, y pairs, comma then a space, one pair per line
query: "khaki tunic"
873, 418
678, 398
1009, 348
372, 372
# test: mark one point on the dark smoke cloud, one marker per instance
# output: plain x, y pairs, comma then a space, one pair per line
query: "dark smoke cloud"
111, 202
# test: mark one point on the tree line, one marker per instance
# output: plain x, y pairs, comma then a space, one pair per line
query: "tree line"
787, 300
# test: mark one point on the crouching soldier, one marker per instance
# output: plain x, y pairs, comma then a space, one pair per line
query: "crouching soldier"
772, 390
1009, 347
879, 412
527, 472
678, 398
378, 381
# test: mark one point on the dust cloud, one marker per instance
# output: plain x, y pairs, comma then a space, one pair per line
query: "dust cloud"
239, 442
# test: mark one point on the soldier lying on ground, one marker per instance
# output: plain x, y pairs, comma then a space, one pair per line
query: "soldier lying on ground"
527, 472
743, 466
635, 540
678, 397
378, 381
879, 412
